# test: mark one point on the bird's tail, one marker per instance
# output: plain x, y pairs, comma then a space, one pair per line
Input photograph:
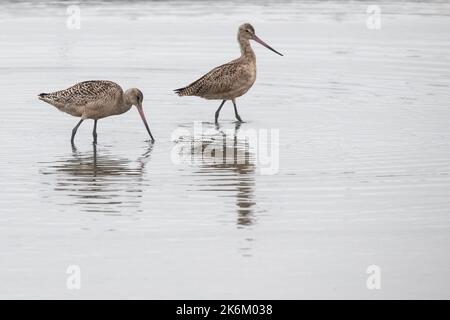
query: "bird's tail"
46, 97
42, 95
180, 91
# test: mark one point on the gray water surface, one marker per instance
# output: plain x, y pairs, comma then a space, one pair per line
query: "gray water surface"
364, 153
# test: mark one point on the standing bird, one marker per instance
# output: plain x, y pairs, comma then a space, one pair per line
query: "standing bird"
231, 80
95, 100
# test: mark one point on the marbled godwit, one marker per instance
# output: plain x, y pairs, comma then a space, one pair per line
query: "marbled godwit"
95, 100
231, 80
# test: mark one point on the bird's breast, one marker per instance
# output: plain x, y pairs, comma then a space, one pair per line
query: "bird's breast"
250, 73
248, 77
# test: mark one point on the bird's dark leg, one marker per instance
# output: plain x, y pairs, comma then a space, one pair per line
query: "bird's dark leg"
74, 131
236, 112
218, 110
94, 132
95, 158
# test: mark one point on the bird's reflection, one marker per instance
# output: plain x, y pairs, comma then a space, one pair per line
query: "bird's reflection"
225, 165
96, 181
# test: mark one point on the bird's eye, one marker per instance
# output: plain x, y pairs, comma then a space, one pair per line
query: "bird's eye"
247, 30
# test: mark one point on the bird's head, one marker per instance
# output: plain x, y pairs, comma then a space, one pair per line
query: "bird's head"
247, 32
135, 97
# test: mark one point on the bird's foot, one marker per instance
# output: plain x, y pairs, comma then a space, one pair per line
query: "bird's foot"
238, 118
74, 148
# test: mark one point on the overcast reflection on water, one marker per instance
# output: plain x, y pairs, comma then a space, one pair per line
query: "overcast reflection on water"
97, 181
224, 164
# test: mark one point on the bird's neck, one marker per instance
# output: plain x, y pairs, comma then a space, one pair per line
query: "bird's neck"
125, 105
246, 49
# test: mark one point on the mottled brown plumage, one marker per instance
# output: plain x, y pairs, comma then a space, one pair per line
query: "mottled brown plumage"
231, 80
89, 99
225, 82
95, 99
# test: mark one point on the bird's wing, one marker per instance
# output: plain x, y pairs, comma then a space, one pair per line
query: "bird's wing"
85, 92
222, 79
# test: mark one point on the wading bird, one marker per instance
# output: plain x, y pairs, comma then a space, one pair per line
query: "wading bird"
95, 100
231, 80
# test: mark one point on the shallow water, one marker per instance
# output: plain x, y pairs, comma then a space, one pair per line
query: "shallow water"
364, 153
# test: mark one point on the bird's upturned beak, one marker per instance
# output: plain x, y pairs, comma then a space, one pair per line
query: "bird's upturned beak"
141, 113
265, 44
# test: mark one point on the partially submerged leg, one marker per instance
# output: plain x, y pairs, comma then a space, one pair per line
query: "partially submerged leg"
236, 112
74, 131
95, 158
218, 110
94, 132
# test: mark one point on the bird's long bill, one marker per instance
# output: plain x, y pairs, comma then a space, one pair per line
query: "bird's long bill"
265, 44
141, 113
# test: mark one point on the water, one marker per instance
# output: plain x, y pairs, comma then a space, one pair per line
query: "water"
363, 146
